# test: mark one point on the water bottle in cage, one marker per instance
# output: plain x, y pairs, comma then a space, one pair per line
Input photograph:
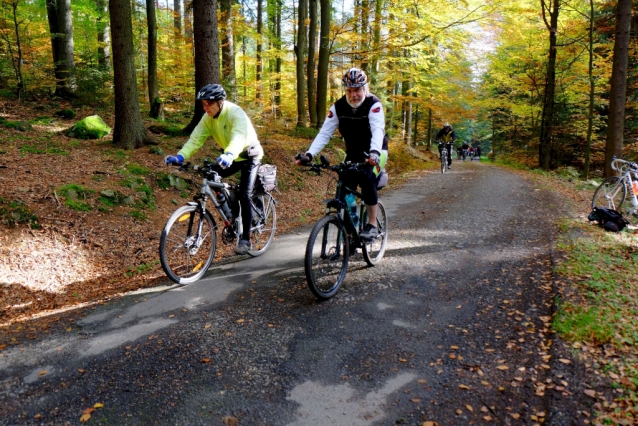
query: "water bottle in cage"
221, 199
351, 201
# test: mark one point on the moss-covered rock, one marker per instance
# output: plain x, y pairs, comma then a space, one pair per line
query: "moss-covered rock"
92, 127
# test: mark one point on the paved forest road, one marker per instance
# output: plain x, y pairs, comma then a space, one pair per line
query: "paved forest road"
451, 327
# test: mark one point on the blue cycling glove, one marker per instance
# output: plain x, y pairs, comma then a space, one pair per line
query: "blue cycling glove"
225, 160
173, 159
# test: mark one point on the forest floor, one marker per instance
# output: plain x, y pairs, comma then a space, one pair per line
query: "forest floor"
86, 248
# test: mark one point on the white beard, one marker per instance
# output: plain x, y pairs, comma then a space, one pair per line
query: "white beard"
357, 105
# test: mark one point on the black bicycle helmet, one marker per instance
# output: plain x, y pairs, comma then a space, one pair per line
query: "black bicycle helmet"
211, 92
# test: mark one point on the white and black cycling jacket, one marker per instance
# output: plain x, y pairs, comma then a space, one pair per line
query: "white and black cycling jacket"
362, 128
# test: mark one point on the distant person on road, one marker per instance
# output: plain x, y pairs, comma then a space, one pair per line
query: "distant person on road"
232, 130
477, 151
446, 136
360, 119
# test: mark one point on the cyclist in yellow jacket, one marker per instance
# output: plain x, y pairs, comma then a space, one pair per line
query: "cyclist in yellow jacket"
232, 130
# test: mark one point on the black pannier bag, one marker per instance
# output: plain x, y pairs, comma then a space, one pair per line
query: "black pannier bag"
608, 219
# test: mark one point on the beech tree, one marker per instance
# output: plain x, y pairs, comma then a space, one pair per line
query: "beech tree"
153, 85
228, 48
300, 47
103, 34
61, 28
545, 146
324, 61
129, 131
616, 123
206, 52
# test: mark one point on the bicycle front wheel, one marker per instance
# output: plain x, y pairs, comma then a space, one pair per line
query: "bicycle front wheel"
443, 162
374, 250
264, 223
327, 255
610, 194
187, 245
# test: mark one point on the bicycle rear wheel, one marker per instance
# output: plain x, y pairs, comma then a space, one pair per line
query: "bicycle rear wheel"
264, 223
374, 250
186, 255
610, 194
327, 255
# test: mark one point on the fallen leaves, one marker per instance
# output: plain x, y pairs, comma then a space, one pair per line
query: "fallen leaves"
590, 393
462, 386
86, 414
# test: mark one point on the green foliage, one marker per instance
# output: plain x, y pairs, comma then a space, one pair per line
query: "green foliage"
78, 205
93, 87
22, 126
166, 129
42, 120
73, 190
16, 212
32, 149
141, 269
66, 113
137, 169
304, 132
138, 215
603, 266
110, 198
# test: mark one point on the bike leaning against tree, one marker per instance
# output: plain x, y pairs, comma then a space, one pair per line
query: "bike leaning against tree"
612, 192
337, 235
189, 238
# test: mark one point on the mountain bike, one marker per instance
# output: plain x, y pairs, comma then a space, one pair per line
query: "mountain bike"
443, 151
613, 191
335, 236
189, 239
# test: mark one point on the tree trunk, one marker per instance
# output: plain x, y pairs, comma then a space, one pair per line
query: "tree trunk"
61, 28
279, 54
365, 45
415, 135
153, 86
129, 130
616, 122
103, 35
324, 61
545, 146
590, 74
299, 51
17, 63
188, 19
312, 44
228, 49
376, 39
259, 34
429, 128
206, 51
177, 16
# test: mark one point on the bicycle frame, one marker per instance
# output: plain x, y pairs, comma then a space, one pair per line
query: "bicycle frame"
626, 179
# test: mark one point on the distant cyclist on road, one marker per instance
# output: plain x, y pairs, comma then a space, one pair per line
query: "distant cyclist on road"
360, 119
446, 136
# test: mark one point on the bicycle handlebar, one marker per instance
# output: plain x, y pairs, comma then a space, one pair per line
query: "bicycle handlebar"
344, 166
617, 164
